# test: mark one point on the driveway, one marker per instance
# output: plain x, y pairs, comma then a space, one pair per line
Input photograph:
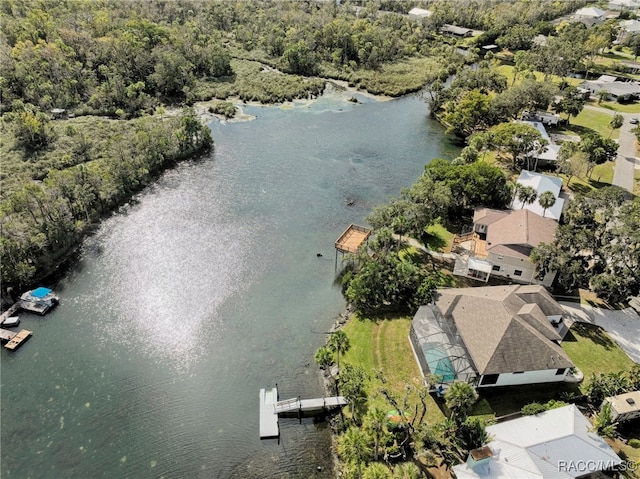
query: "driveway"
626, 162
622, 325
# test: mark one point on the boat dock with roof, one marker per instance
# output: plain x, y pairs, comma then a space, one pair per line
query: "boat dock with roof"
271, 408
39, 300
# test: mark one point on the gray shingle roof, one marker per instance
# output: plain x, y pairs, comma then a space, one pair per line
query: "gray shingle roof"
505, 328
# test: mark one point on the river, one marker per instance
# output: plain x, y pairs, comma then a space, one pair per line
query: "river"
200, 292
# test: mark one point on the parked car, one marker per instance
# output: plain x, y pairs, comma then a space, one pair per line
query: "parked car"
633, 121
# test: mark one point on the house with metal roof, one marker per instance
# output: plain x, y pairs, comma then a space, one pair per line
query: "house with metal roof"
589, 16
632, 5
420, 13
456, 31
627, 28
555, 444
500, 244
491, 336
541, 184
616, 90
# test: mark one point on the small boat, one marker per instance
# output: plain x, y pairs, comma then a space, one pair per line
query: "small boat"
11, 322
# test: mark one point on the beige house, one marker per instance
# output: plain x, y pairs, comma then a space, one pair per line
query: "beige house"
491, 336
624, 407
500, 245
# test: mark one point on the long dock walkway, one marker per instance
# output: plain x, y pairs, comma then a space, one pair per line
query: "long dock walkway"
271, 409
297, 405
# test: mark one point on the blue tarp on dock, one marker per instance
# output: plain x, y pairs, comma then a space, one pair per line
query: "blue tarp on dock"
40, 292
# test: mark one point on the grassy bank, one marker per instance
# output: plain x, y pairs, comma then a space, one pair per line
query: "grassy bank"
382, 345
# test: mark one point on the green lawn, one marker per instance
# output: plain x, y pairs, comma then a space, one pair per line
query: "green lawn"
593, 351
507, 71
383, 345
440, 239
589, 119
621, 107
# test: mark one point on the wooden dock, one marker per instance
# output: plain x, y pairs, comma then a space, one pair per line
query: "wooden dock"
14, 340
352, 238
271, 409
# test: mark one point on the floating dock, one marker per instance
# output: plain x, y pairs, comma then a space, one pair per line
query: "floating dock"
271, 409
14, 340
268, 418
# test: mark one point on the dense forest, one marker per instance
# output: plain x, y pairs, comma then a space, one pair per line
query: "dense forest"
127, 72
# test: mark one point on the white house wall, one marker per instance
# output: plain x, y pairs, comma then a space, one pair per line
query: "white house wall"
528, 377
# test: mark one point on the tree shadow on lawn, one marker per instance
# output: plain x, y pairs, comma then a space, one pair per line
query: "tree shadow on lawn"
580, 188
508, 400
435, 242
591, 332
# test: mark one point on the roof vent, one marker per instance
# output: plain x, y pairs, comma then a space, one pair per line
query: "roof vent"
631, 402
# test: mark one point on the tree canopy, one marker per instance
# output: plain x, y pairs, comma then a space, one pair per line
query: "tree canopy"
597, 247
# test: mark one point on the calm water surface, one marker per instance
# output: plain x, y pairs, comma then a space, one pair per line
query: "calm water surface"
201, 292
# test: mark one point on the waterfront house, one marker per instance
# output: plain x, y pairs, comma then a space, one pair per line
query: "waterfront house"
549, 154
491, 336
559, 444
500, 244
541, 184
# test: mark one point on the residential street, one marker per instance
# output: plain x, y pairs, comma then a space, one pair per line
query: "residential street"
627, 161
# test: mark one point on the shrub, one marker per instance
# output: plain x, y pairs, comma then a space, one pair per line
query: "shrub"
634, 443
532, 409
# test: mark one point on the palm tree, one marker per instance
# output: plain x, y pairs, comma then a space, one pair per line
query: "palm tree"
527, 195
376, 470
374, 424
459, 398
546, 200
324, 358
616, 122
354, 447
516, 190
406, 470
338, 343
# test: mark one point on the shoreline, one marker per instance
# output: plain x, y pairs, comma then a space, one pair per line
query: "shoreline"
339, 88
327, 384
